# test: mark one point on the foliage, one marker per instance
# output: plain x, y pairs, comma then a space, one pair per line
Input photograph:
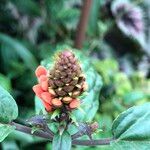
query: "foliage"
62, 142
8, 112
8, 107
113, 53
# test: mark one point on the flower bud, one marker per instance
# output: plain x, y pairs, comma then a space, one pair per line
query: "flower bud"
51, 91
56, 103
47, 97
40, 71
42, 78
66, 74
67, 100
38, 90
44, 85
74, 104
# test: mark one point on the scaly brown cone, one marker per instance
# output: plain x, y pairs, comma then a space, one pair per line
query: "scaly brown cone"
66, 78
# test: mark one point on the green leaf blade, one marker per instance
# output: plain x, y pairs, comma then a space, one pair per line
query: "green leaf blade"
8, 107
5, 82
129, 145
5, 130
134, 96
62, 142
133, 124
39, 107
20, 50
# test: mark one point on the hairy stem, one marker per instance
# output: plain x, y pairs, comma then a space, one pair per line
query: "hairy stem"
49, 136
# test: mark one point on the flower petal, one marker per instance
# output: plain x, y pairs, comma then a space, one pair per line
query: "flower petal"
46, 97
47, 106
44, 85
40, 71
42, 78
38, 90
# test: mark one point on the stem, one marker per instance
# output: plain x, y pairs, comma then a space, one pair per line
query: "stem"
28, 130
81, 28
49, 136
50, 132
77, 135
93, 142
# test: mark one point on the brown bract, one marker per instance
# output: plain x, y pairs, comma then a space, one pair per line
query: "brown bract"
66, 78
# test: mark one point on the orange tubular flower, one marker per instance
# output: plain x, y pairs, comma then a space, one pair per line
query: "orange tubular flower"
42, 78
60, 86
47, 97
40, 71
44, 85
47, 106
41, 89
38, 90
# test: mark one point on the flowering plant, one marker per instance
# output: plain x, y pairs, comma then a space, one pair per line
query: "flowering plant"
60, 86
60, 89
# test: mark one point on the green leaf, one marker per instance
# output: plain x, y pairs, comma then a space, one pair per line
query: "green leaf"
131, 129
7, 145
73, 119
5, 82
133, 97
133, 124
5, 130
39, 107
8, 107
69, 17
128, 145
62, 142
106, 68
28, 7
55, 113
20, 50
122, 89
90, 103
105, 122
21, 137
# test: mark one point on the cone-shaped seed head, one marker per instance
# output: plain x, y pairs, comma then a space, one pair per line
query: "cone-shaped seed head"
66, 78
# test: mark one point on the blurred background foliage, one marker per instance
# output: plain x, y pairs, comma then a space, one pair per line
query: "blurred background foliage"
117, 42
